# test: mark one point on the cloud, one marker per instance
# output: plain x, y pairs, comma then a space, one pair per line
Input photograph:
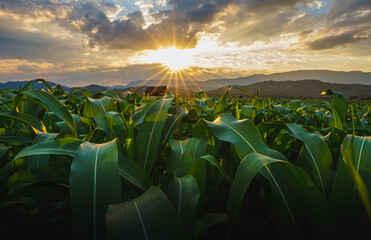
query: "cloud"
336, 40
340, 7
84, 35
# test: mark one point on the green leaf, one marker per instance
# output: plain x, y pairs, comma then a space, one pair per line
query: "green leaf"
63, 146
266, 126
172, 123
294, 196
16, 136
243, 134
184, 194
221, 107
149, 135
317, 154
195, 148
339, 103
64, 128
350, 195
138, 117
117, 128
337, 123
215, 163
150, 216
54, 106
100, 107
42, 174
95, 183
41, 160
176, 153
33, 122
134, 173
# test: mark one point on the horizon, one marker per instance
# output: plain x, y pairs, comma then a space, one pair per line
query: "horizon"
192, 81
115, 42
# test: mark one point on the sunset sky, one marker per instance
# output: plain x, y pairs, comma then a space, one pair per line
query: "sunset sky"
114, 42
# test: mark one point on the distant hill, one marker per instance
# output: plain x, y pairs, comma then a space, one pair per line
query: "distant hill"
297, 89
353, 77
93, 88
17, 84
188, 87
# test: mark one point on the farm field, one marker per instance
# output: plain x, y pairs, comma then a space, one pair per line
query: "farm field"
127, 166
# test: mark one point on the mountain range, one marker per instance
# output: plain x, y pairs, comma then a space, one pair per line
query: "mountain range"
353, 77
302, 84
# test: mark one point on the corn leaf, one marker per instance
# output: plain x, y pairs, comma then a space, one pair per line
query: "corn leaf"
54, 106
149, 216
36, 161
243, 134
95, 183
149, 135
317, 154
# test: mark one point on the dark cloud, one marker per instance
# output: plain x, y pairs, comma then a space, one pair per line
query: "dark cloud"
335, 40
251, 20
180, 25
205, 13
340, 7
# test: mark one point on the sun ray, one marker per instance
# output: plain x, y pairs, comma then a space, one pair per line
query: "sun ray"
183, 81
192, 80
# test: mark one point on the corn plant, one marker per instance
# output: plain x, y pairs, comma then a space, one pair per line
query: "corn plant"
120, 165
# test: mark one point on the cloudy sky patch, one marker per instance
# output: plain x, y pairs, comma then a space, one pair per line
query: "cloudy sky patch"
105, 41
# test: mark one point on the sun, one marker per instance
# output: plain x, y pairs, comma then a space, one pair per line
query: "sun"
172, 58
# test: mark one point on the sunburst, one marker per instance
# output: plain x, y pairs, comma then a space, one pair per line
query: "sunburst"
173, 58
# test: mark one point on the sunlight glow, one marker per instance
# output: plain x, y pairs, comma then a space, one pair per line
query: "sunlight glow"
173, 58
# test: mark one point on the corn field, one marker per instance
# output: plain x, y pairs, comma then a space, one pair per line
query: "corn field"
125, 166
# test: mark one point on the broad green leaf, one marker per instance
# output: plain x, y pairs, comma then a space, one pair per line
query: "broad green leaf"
138, 117
64, 128
134, 173
336, 120
352, 185
243, 134
222, 104
95, 183
195, 148
201, 102
317, 154
215, 163
150, 216
36, 161
184, 194
339, 103
249, 112
33, 122
63, 146
172, 123
266, 126
87, 118
54, 106
295, 197
16, 136
176, 153
30, 84
149, 135
42, 174
117, 127
100, 107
